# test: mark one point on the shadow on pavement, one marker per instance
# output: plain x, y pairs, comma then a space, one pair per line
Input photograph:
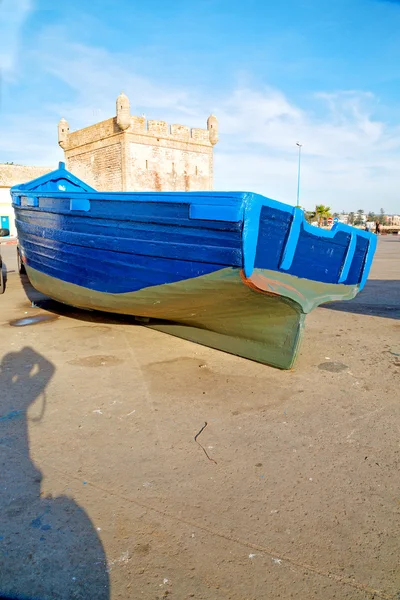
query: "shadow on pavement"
49, 549
379, 298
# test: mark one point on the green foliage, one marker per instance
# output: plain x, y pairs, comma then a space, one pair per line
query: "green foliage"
322, 212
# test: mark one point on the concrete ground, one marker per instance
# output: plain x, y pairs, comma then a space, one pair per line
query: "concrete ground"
104, 492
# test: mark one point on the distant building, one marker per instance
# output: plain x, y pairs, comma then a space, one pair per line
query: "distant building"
128, 153
392, 220
360, 219
12, 175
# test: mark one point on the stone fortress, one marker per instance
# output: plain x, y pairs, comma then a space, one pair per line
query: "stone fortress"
128, 153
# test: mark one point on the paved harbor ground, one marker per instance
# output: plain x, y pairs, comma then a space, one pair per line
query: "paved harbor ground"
293, 493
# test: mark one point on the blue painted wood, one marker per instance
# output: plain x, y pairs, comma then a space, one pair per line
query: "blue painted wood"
82, 204
274, 226
216, 213
319, 259
292, 240
359, 261
138, 230
348, 259
60, 180
372, 243
314, 253
103, 271
119, 242
198, 252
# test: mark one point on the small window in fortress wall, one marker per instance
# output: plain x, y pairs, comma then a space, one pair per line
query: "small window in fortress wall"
197, 171
147, 164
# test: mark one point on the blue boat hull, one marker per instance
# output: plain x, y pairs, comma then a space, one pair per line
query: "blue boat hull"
111, 249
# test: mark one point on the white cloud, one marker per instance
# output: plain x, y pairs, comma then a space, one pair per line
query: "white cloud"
13, 14
95, 78
349, 158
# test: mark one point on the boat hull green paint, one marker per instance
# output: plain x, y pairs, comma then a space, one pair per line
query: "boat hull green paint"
260, 318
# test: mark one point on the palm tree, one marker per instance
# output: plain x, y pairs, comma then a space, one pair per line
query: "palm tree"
351, 218
322, 212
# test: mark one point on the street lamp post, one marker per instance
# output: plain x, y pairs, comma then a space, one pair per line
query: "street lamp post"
298, 175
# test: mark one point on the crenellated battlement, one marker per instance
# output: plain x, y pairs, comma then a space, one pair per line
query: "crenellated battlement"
124, 122
138, 125
164, 130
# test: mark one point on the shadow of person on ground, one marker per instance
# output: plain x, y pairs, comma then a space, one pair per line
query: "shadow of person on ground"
49, 549
379, 298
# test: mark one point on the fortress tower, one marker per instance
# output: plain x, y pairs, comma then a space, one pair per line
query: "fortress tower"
128, 153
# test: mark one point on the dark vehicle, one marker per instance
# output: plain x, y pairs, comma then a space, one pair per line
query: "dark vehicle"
3, 233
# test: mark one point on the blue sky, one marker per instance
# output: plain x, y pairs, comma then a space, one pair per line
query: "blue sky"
325, 73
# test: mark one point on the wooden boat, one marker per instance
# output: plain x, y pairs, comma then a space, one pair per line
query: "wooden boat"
231, 270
